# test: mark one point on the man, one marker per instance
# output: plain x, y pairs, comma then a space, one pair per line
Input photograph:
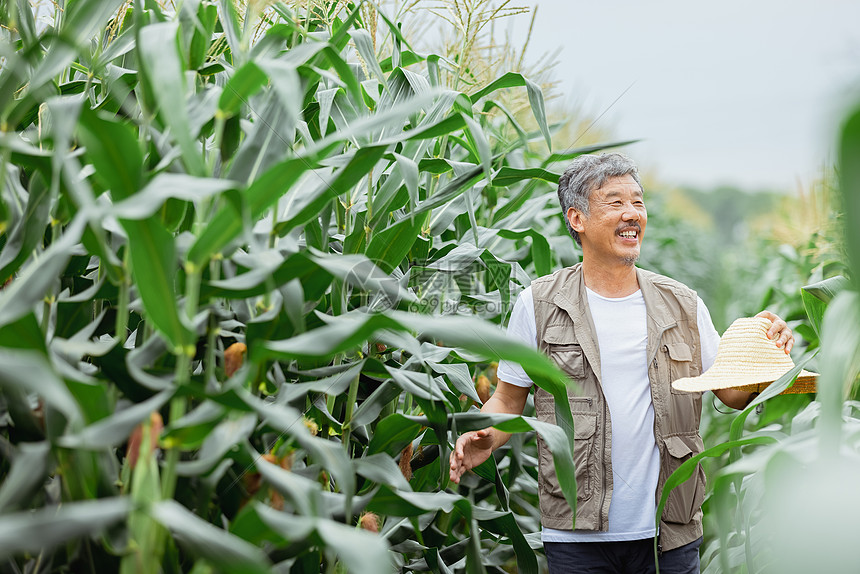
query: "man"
623, 334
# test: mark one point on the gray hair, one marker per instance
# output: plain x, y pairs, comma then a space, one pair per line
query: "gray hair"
587, 173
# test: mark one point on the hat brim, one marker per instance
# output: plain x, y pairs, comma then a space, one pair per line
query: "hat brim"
714, 381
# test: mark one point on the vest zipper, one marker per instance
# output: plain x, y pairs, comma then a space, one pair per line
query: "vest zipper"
656, 376
603, 462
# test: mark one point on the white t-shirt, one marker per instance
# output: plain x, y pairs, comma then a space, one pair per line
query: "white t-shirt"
622, 337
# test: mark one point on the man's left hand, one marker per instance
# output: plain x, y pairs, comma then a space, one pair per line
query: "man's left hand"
779, 331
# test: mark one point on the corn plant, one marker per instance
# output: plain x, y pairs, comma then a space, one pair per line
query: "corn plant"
253, 261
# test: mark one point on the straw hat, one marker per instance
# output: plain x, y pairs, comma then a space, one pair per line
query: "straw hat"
749, 361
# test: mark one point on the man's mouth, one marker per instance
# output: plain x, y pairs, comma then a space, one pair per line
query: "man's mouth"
629, 233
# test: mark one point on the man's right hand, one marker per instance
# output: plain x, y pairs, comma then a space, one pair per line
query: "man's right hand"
475, 447
472, 449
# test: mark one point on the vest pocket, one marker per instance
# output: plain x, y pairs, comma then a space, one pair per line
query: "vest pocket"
584, 429
686, 499
562, 348
680, 362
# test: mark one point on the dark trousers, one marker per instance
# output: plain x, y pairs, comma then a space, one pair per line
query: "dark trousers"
631, 557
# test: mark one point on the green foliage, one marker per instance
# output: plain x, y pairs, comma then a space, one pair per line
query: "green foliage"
227, 238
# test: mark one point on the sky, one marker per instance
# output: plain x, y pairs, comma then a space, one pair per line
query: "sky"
743, 93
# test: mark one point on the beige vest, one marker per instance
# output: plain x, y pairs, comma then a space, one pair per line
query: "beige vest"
566, 333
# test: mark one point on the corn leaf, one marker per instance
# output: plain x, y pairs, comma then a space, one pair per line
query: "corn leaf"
29, 531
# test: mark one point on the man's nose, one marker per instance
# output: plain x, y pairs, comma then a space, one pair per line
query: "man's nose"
630, 213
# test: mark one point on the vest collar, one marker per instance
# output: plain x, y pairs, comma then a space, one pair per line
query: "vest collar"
574, 300
659, 317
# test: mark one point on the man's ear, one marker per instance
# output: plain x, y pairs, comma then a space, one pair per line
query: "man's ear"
575, 218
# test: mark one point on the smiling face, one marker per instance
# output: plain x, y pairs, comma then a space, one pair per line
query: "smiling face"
612, 232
